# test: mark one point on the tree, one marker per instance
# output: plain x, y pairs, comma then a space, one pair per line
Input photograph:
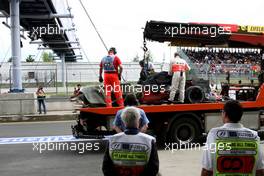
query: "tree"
10, 59
30, 59
136, 58
47, 57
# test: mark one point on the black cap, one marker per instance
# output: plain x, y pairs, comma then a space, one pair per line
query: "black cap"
113, 49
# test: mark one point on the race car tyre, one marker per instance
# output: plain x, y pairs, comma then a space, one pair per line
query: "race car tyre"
194, 94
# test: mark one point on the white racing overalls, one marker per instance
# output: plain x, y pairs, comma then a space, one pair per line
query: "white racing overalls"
178, 67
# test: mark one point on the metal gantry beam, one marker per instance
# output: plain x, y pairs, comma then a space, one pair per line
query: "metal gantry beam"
38, 13
49, 16
59, 48
47, 5
47, 43
68, 56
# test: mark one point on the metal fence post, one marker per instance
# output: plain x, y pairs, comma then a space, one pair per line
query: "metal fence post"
80, 77
66, 66
0, 83
10, 81
56, 78
20, 105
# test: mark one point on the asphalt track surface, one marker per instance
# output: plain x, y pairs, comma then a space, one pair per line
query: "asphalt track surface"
22, 160
24, 151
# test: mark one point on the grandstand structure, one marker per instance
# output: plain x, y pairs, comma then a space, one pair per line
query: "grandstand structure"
206, 42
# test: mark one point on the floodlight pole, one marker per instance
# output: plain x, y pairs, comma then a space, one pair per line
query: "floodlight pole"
15, 46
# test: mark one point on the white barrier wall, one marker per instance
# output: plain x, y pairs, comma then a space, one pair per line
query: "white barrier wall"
58, 105
17, 103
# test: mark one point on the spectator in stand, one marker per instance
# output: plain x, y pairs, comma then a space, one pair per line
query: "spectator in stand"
230, 56
237, 61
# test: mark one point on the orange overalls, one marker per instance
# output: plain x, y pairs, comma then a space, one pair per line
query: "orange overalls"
110, 65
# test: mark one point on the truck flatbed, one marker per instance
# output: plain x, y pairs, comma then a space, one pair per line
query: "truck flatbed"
257, 104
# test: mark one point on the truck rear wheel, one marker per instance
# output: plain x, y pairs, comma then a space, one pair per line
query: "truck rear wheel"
185, 131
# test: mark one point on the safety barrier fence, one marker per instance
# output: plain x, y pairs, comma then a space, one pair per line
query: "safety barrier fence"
49, 75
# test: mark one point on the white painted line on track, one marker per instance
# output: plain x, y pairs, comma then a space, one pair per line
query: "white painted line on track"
42, 139
38, 122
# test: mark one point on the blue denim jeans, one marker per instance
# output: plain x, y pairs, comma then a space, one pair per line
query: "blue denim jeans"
41, 101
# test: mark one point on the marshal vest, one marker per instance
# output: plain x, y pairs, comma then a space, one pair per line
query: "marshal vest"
130, 156
108, 64
236, 153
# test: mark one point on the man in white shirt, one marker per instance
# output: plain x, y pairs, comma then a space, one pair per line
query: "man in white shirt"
236, 150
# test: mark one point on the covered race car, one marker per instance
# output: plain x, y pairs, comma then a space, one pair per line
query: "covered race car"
154, 90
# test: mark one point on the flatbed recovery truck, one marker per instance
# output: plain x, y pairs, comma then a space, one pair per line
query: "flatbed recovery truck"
185, 123
177, 122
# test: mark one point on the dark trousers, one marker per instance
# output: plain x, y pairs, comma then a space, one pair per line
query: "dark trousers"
41, 101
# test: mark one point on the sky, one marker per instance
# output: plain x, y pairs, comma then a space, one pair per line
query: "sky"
120, 23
